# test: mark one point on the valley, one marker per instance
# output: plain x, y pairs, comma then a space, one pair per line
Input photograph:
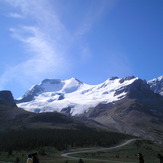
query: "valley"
81, 81
125, 153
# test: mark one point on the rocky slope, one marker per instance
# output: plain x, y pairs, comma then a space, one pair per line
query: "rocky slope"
139, 113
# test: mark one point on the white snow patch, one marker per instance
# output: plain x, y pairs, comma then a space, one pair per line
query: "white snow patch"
80, 97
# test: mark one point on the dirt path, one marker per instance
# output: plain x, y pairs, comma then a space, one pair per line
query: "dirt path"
99, 149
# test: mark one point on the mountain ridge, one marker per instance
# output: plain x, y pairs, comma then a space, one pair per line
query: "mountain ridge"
75, 97
127, 105
72, 95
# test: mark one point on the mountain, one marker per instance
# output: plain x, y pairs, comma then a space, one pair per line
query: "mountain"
23, 130
128, 105
157, 85
139, 113
12, 117
72, 96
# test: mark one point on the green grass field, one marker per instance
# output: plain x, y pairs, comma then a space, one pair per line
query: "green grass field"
126, 154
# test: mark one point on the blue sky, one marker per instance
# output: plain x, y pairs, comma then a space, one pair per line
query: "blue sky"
91, 40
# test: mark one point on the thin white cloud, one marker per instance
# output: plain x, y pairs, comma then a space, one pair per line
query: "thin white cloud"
46, 59
46, 40
42, 62
96, 10
42, 40
15, 15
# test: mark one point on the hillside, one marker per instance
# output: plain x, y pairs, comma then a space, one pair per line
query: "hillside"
20, 129
139, 113
128, 105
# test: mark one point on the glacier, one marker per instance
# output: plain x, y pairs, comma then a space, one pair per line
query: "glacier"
72, 96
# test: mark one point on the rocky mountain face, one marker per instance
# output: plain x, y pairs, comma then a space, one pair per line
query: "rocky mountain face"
6, 98
140, 113
157, 85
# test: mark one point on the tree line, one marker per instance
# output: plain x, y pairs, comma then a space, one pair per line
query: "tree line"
61, 139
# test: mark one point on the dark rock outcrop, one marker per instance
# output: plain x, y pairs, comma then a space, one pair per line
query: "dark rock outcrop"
6, 98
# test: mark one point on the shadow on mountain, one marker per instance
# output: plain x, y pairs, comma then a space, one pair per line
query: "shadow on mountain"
20, 129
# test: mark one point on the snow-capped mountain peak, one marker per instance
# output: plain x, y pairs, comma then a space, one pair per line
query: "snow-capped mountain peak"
54, 85
157, 85
71, 85
51, 85
72, 96
160, 78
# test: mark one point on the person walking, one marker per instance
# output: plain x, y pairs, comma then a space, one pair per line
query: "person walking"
35, 158
141, 159
160, 157
29, 159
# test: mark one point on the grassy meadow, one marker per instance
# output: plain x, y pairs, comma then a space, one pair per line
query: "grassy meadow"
126, 154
